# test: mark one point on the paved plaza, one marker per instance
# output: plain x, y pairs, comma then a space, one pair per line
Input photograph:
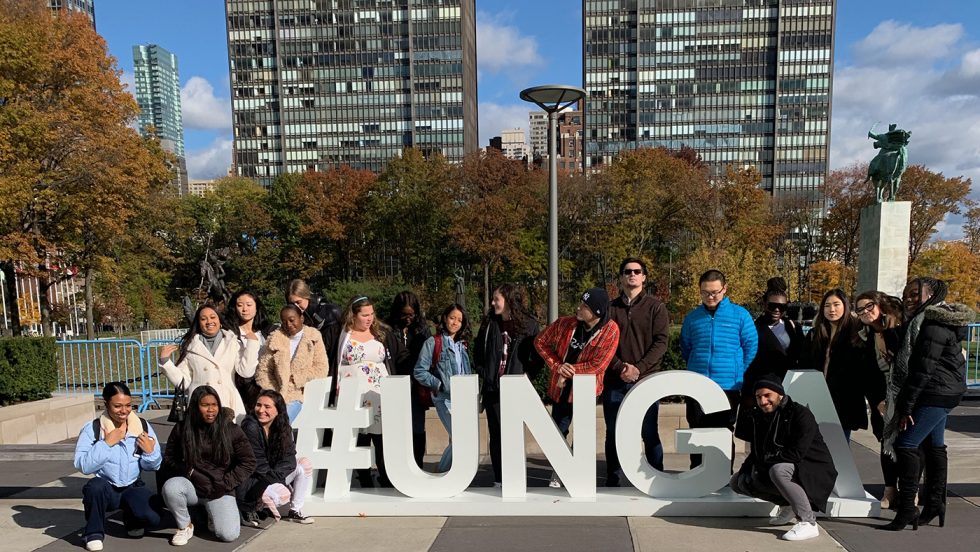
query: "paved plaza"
41, 509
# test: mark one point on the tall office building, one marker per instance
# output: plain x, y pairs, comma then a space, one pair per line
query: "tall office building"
329, 82
538, 125
86, 7
743, 82
158, 96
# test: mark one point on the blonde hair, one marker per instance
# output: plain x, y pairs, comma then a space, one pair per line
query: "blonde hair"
353, 307
298, 288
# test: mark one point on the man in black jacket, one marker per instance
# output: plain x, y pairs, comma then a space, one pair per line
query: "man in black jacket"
643, 325
790, 465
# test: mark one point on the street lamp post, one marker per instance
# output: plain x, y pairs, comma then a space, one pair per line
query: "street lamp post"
552, 98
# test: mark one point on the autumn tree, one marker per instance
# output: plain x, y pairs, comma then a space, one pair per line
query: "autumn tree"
72, 170
933, 197
493, 199
840, 232
971, 228
953, 262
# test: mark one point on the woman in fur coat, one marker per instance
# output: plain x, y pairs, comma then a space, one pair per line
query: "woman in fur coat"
293, 355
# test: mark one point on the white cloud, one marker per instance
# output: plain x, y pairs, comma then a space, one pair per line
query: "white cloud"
892, 42
201, 108
501, 48
937, 104
496, 117
210, 162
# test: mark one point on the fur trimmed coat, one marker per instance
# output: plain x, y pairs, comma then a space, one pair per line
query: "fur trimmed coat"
287, 375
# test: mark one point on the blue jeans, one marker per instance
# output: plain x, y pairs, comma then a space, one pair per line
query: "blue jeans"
612, 399
930, 425
292, 409
443, 405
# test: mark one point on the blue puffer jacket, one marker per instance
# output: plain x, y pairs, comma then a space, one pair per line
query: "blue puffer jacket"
439, 381
115, 464
720, 346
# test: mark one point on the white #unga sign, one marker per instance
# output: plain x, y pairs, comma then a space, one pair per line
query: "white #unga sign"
701, 491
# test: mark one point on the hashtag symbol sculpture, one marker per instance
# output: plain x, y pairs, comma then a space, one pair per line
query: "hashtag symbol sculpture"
343, 455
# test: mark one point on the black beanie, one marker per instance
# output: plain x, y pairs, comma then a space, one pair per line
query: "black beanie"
769, 382
598, 301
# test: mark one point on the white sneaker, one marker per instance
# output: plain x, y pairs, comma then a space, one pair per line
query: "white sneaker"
555, 482
802, 531
182, 536
93, 545
784, 516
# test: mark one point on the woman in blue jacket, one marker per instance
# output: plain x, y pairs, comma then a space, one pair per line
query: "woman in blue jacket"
115, 448
436, 370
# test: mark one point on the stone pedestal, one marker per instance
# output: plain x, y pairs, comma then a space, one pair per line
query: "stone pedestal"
883, 258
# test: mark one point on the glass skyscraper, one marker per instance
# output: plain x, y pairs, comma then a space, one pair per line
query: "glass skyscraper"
743, 82
320, 83
158, 95
86, 7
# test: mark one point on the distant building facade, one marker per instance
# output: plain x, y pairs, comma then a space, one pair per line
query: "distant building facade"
746, 84
86, 7
538, 131
513, 142
319, 84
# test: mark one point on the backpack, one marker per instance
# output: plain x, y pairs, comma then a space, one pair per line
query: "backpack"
424, 393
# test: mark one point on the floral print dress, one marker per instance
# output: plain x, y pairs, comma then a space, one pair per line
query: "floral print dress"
366, 362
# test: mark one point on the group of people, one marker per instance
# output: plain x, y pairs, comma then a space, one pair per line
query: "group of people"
900, 356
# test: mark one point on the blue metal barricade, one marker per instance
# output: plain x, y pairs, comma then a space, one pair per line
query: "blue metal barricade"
973, 356
86, 365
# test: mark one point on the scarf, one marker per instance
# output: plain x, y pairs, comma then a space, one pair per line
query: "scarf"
900, 372
134, 426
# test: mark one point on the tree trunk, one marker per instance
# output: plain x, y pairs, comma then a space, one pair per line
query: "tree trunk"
12, 314
43, 286
89, 311
486, 286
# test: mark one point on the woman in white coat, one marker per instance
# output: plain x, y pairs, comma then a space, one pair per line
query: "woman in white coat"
210, 355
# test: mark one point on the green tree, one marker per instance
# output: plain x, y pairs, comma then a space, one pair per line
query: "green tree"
933, 197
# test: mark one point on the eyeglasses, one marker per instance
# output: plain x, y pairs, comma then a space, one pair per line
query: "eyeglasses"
865, 309
634, 271
711, 294
781, 307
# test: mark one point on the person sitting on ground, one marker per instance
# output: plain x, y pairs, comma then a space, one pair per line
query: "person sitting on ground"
790, 465
279, 477
209, 456
116, 447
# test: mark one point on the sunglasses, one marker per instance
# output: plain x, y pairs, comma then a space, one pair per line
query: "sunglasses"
866, 308
781, 307
634, 271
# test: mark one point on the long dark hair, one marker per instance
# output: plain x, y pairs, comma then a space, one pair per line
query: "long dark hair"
407, 299
889, 307
514, 299
199, 435
195, 330
280, 432
938, 288
464, 333
821, 326
260, 324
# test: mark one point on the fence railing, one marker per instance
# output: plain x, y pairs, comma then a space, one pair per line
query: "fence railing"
170, 334
85, 366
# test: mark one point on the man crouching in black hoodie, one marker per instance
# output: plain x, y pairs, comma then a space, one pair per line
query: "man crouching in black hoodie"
790, 465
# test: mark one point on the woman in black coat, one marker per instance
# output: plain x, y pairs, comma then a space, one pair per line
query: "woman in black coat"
834, 348
279, 477
935, 384
780, 343
504, 346
411, 329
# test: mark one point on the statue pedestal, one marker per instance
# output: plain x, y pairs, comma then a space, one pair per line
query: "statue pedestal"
883, 255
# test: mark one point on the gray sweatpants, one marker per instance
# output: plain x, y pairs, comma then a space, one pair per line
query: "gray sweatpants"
179, 495
780, 489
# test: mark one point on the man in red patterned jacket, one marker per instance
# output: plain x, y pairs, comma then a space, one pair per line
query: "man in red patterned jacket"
580, 344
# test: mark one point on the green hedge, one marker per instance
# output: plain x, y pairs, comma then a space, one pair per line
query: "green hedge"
27, 369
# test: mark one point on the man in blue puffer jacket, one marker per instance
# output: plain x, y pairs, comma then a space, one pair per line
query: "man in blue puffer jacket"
718, 340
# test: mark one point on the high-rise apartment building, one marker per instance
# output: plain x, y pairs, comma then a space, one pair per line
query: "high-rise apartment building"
328, 82
743, 82
513, 142
86, 7
158, 95
538, 130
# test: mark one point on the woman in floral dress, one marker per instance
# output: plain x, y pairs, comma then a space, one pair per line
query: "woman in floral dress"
368, 351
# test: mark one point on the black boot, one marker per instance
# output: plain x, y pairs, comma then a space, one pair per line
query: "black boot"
934, 494
908, 486
418, 448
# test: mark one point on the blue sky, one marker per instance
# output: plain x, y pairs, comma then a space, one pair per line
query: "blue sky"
906, 61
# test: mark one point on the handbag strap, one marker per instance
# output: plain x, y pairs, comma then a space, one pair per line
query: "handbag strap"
436, 353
